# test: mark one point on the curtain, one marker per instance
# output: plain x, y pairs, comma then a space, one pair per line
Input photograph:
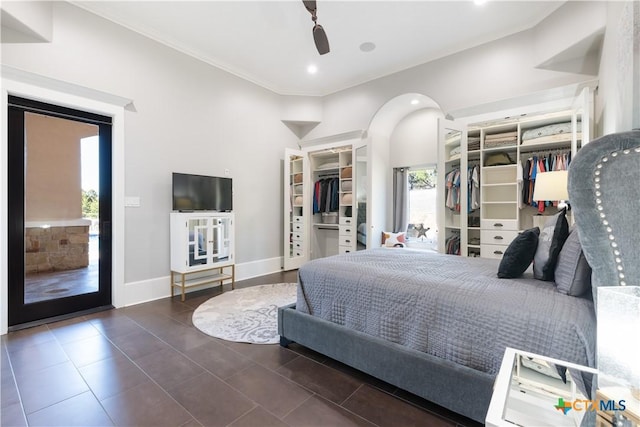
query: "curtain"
400, 199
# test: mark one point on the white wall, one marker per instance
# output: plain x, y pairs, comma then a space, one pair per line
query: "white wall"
617, 106
26, 21
414, 141
189, 117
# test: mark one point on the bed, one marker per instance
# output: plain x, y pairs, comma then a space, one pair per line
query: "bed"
437, 325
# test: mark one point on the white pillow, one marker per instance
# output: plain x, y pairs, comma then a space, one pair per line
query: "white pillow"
391, 240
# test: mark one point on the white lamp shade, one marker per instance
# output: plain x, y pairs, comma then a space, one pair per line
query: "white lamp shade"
619, 335
551, 186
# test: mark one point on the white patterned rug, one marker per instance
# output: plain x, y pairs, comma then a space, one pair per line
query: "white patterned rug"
245, 315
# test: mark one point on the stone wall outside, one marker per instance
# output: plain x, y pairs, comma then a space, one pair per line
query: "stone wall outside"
56, 248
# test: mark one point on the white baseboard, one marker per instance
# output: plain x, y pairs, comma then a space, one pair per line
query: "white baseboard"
156, 288
248, 270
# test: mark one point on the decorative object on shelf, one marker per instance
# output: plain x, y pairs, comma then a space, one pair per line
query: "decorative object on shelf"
246, 315
618, 315
552, 186
416, 231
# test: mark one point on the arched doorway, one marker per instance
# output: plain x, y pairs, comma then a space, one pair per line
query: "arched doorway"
379, 137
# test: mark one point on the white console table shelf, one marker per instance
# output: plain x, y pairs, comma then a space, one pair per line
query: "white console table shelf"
218, 275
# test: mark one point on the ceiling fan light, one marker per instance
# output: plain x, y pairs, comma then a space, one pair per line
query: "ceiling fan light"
320, 38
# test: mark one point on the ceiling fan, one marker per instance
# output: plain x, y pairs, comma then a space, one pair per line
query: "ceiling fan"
319, 36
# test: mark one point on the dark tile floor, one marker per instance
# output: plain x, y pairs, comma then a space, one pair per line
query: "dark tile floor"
147, 365
58, 284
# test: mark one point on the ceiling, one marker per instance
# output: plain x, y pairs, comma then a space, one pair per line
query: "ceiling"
270, 42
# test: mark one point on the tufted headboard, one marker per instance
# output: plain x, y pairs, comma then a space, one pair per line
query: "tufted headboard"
604, 193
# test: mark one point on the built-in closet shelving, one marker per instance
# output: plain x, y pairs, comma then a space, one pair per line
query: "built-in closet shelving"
498, 146
346, 220
296, 179
332, 232
296, 238
320, 203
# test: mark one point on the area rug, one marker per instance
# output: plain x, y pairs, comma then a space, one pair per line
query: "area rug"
247, 315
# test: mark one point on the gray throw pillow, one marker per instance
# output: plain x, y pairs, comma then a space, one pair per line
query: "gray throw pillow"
573, 273
552, 237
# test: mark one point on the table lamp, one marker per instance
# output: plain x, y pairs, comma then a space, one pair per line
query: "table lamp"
552, 186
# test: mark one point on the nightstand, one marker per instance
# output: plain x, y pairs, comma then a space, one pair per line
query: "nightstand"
529, 392
611, 414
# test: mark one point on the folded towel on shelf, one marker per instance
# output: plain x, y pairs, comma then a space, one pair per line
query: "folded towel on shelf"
500, 143
547, 130
502, 135
549, 139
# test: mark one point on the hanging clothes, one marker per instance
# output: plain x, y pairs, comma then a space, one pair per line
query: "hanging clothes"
326, 196
473, 187
453, 245
535, 164
542, 167
452, 199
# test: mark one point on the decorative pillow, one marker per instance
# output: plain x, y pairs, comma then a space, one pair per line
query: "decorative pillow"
573, 273
391, 240
552, 237
519, 255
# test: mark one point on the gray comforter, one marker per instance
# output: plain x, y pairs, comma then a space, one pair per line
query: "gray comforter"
451, 307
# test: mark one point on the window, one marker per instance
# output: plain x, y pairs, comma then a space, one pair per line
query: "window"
422, 232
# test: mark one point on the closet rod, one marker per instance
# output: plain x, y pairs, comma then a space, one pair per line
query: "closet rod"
551, 151
329, 175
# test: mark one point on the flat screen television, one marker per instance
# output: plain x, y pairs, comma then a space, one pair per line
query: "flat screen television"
201, 193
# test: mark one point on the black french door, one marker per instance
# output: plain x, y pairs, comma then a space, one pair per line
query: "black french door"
59, 237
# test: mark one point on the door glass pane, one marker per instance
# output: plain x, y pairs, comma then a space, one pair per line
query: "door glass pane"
361, 196
198, 238
61, 208
423, 227
220, 239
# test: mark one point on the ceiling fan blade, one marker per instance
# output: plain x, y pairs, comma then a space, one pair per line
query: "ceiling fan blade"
310, 5
320, 38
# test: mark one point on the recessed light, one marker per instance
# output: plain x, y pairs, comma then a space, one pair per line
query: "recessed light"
367, 46
312, 69
479, 2
415, 102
